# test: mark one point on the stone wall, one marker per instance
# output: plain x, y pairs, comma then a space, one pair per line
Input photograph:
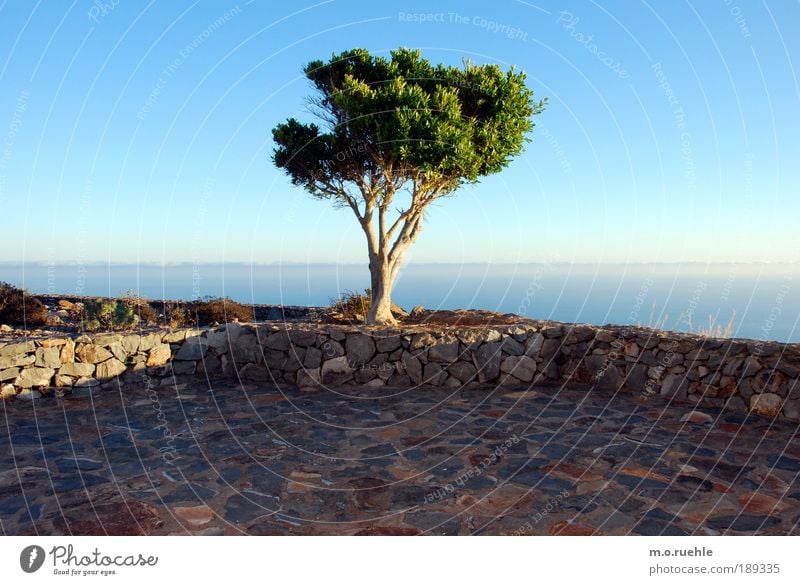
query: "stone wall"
738, 374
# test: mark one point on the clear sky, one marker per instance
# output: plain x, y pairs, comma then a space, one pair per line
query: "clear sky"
135, 131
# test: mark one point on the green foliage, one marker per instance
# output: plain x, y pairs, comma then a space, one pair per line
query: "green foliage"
18, 307
405, 117
221, 310
105, 314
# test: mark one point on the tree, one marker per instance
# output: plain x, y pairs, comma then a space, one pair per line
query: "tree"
401, 131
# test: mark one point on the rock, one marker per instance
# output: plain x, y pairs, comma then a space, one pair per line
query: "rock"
67, 352
7, 391
109, 369
359, 349
462, 371
487, 361
766, 404
472, 338
14, 349
697, 417
174, 337
420, 340
22, 359
388, 344
302, 337
8, 374
194, 515
791, 409
675, 386
279, 341
398, 311
85, 382
62, 381
444, 352
433, 374
130, 343
522, 367
6, 328
513, 347
92, 354
192, 349
118, 351
148, 342
308, 378
77, 369
120, 518
412, 367
313, 358
49, 357
159, 355
30, 377
417, 312
28, 394
336, 371
54, 342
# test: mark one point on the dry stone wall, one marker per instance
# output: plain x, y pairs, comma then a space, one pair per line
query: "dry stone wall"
743, 375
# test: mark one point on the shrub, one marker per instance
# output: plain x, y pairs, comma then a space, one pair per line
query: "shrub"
141, 307
18, 307
108, 314
353, 306
225, 310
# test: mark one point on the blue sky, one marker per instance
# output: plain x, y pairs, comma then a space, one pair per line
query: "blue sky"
140, 132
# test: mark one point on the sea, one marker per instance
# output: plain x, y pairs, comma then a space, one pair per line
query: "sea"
747, 300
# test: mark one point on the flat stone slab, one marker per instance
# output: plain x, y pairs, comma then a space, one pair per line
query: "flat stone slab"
254, 459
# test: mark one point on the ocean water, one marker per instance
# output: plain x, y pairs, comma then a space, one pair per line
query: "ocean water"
760, 300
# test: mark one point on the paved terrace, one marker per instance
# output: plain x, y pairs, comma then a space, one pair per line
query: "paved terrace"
259, 460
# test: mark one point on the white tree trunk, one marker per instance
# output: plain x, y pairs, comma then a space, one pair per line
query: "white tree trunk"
380, 312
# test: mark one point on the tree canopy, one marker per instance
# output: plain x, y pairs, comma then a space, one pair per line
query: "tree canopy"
401, 123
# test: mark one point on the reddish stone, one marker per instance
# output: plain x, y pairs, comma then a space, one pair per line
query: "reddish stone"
759, 503
565, 528
388, 531
575, 472
124, 518
643, 473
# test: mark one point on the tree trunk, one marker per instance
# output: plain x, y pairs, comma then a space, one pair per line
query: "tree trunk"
380, 312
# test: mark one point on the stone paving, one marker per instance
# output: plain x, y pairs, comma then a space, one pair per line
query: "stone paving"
251, 459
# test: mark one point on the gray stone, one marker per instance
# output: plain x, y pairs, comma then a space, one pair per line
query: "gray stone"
359, 348
30, 377
28, 394
473, 338
8, 374
412, 367
462, 371
433, 374
444, 352
675, 386
85, 383
336, 371
331, 349
279, 341
130, 343
313, 359
522, 367
308, 378
159, 355
420, 340
302, 338
637, 377
92, 354
109, 369
388, 344
487, 361
192, 349
13, 349
766, 404
148, 342
77, 369
182, 367
48, 357
21, 359
513, 347
118, 351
